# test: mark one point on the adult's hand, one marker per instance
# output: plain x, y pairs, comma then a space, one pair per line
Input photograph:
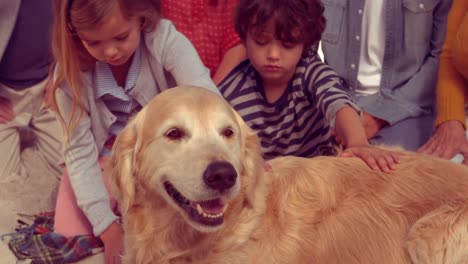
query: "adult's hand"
448, 140
6, 110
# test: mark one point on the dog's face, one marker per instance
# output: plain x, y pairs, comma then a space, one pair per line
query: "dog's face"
188, 148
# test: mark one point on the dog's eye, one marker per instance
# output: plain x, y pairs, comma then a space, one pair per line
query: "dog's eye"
174, 134
227, 132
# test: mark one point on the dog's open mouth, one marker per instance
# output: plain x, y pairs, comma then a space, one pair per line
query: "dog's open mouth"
210, 212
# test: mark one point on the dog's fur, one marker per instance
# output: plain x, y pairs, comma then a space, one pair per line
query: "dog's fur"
320, 210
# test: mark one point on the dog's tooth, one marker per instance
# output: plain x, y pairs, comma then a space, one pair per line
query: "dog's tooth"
199, 209
206, 215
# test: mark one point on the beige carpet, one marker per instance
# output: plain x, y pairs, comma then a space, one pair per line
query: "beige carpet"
28, 194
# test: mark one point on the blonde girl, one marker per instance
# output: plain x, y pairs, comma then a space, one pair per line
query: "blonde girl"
112, 57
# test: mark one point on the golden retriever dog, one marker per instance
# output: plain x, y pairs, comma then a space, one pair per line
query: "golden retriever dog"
189, 176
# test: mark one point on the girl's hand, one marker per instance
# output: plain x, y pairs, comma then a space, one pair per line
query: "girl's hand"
112, 238
376, 159
6, 111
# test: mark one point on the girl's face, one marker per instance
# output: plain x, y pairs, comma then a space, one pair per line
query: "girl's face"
114, 41
275, 60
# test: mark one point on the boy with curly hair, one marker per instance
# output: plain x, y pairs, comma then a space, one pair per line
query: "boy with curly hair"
286, 93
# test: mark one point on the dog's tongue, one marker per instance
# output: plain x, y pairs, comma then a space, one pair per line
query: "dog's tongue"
212, 206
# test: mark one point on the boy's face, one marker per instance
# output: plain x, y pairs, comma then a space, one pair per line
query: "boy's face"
113, 42
275, 60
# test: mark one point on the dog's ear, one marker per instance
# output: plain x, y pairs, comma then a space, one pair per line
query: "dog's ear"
252, 160
250, 140
125, 151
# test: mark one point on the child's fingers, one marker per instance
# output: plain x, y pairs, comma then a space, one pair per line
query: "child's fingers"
395, 157
371, 162
376, 159
383, 165
388, 160
391, 161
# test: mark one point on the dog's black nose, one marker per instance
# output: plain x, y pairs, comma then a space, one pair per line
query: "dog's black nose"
220, 175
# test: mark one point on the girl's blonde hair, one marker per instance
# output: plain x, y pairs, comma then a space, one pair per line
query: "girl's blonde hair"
70, 54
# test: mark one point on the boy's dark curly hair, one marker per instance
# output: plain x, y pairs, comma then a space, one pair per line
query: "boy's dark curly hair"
297, 21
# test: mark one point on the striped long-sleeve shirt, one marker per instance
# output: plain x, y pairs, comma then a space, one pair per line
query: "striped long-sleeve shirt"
299, 122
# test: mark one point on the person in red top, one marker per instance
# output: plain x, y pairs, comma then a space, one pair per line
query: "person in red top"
209, 25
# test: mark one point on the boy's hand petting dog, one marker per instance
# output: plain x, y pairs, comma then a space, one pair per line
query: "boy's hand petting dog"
375, 158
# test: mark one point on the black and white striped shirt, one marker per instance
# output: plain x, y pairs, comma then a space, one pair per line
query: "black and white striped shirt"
299, 122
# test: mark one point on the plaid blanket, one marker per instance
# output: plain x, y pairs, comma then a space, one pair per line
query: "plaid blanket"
37, 242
